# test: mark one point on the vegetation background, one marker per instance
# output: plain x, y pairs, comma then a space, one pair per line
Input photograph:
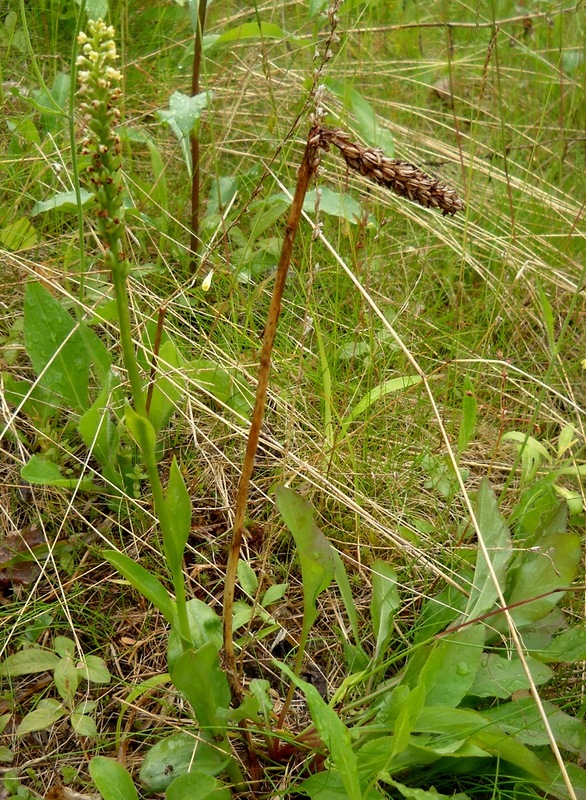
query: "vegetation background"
488, 306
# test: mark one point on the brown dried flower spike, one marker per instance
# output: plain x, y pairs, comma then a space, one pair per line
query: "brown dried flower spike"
403, 178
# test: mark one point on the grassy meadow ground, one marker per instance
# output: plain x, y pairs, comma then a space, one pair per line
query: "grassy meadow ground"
491, 98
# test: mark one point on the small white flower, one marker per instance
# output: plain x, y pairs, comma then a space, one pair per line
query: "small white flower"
207, 281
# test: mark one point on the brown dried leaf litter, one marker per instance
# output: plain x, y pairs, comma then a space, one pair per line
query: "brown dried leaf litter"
401, 177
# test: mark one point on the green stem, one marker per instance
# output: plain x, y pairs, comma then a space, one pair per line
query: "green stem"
148, 453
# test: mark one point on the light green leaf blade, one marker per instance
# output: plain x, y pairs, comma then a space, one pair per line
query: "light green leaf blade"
364, 115
46, 714
346, 591
41, 472
196, 785
468, 423
178, 504
197, 673
247, 577
29, 661
111, 779
175, 756
65, 201
500, 677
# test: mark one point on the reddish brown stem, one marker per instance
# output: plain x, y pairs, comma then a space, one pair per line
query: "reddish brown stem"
306, 170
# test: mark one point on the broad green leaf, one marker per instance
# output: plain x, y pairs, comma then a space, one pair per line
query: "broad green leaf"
500, 677
54, 101
553, 564
100, 432
94, 670
568, 647
18, 235
35, 401
247, 578
46, 714
204, 625
225, 385
196, 785
168, 387
64, 201
184, 111
66, 680
274, 593
364, 115
548, 317
40, 472
329, 785
28, 662
251, 31
333, 733
452, 664
497, 539
385, 603
315, 552
55, 347
336, 204
143, 581
382, 390
197, 673
468, 424
83, 725
341, 579
178, 504
111, 779
141, 429
175, 756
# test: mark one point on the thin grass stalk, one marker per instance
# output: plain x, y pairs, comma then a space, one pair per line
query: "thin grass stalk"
195, 150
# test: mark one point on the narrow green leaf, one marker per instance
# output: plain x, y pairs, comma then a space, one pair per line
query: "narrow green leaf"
141, 429
143, 581
254, 31
548, 318
178, 505
65, 201
168, 387
382, 390
28, 662
468, 424
334, 734
364, 115
112, 781
346, 591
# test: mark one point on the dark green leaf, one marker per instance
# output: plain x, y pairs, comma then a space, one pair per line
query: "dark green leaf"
178, 504
385, 602
315, 552
55, 347
500, 677
197, 673
451, 666
497, 539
